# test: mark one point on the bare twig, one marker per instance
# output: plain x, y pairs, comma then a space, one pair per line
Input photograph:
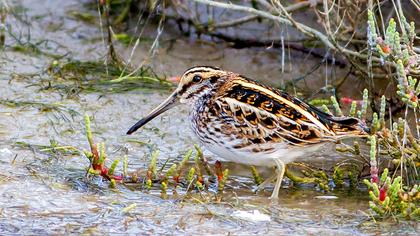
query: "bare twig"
330, 41
246, 19
416, 4
236, 22
304, 28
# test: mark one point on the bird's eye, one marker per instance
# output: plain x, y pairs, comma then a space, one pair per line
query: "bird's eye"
196, 78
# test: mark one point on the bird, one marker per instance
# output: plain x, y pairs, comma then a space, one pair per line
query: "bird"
243, 121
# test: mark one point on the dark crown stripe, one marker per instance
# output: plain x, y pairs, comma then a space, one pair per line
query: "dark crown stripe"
200, 69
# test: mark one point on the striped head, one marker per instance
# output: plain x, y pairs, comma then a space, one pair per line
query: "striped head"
198, 82
195, 83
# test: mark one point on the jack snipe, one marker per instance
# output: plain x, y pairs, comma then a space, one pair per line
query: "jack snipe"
246, 122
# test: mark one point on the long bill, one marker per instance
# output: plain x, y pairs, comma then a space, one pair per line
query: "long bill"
170, 102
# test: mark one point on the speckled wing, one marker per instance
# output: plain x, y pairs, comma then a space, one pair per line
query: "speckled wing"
260, 115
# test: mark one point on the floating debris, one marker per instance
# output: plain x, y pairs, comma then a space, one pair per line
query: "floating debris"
327, 197
254, 215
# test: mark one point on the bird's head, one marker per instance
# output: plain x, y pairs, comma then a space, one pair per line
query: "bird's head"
195, 83
199, 81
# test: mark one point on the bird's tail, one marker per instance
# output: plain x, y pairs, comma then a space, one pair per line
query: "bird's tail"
348, 127
341, 126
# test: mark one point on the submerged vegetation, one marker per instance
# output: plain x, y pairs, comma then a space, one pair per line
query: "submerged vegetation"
96, 76
178, 174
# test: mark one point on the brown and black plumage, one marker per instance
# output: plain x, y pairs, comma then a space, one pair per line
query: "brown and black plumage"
246, 122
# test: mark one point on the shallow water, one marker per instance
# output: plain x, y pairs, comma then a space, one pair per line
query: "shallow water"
48, 194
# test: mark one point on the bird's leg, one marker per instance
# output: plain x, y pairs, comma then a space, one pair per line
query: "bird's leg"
265, 182
280, 172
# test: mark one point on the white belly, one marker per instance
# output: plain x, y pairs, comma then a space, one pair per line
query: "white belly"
282, 152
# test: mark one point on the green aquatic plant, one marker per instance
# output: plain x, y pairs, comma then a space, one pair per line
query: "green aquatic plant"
390, 198
257, 178
97, 157
42, 106
408, 88
373, 162
155, 176
53, 148
392, 194
190, 177
191, 180
181, 167
4, 11
165, 180
397, 49
222, 181
152, 170
395, 193
326, 109
75, 76
198, 165
336, 106
202, 160
362, 113
338, 177
82, 16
